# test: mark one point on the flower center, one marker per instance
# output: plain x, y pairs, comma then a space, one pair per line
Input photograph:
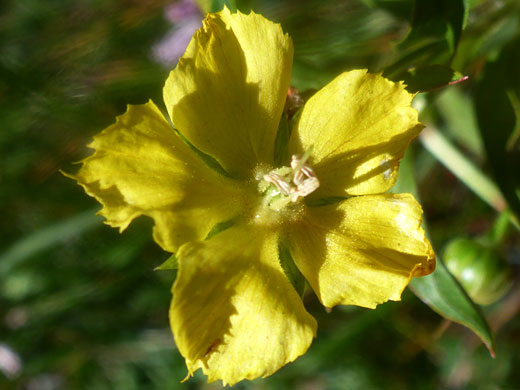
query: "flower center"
283, 186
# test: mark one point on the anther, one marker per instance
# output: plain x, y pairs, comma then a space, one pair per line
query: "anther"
296, 183
280, 183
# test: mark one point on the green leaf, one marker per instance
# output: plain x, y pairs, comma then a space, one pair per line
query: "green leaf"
499, 34
460, 119
444, 295
48, 237
462, 167
406, 178
496, 102
487, 35
439, 290
438, 20
426, 78
435, 31
398, 8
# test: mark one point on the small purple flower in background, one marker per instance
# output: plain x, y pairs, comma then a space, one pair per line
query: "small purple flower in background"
186, 19
10, 362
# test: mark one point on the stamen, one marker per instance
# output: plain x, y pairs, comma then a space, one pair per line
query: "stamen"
307, 187
280, 183
294, 183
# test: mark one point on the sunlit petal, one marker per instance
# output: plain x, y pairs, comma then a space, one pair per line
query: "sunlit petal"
227, 93
141, 167
362, 251
234, 313
358, 126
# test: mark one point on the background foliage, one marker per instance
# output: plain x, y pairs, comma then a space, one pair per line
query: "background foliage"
82, 307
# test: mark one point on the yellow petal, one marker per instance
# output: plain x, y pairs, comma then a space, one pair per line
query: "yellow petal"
234, 313
227, 93
359, 126
362, 251
141, 167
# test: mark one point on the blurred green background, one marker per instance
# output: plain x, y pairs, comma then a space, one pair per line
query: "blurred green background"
81, 306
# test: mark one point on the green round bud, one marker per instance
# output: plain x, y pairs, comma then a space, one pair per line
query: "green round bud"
481, 270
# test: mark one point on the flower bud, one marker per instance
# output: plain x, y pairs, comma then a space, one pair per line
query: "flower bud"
481, 270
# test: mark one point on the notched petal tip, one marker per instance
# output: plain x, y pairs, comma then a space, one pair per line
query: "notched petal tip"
106, 205
140, 166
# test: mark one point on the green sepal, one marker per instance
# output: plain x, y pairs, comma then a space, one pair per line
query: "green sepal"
210, 161
220, 227
290, 269
170, 263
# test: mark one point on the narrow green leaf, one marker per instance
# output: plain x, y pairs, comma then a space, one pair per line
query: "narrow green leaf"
427, 78
460, 119
439, 290
465, 15
462, 167
46, 238
438, 19
435, 31
513, 143
406, 178
424, 53
499, 33
444, 295
497, 115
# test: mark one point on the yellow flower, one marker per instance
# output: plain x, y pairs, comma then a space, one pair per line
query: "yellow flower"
235, 312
